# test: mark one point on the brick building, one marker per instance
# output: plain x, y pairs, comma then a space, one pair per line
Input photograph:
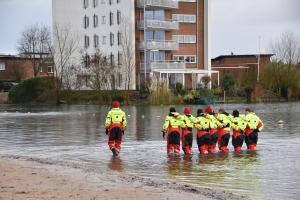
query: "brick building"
16, 68
239, 66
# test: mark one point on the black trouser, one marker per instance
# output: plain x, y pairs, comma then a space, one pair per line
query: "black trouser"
225, 140
174, 138
238, 141
203, 139
213, 138
115, 134
251, 138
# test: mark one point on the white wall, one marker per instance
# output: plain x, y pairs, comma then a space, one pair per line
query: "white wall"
72, 12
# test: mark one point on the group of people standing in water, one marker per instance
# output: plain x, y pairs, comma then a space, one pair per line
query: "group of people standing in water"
212, 129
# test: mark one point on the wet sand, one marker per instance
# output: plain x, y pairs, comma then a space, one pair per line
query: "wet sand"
25, 179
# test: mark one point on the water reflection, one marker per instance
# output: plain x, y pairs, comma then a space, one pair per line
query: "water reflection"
116, 164
76, 134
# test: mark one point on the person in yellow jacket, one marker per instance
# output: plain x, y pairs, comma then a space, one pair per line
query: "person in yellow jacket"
187, 131
203, 137
224, 132
214, 124
171, 128
238, 127
254, 125
115, 125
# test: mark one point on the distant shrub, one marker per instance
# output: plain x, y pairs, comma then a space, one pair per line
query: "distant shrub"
39, 90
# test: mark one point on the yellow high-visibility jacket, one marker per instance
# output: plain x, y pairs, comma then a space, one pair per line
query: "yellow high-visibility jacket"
115, 116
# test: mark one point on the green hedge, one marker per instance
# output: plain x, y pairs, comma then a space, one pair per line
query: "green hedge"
94, 97
34, 90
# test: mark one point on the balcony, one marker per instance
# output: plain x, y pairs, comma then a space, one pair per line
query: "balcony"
158, 25
162, 65
158, 4
159, 45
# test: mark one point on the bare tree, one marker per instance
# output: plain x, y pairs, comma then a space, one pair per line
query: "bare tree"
65, 45
127, 52
286, 49
16, 71
99, 70
34, 44
287, 55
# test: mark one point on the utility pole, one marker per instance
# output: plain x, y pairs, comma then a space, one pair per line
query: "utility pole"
145, 43
258, 58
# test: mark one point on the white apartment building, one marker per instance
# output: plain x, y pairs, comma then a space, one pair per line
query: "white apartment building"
98, 25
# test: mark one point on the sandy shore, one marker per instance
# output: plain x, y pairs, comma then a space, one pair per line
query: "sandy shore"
23, 179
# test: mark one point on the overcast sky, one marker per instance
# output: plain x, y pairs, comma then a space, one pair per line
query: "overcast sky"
236, 24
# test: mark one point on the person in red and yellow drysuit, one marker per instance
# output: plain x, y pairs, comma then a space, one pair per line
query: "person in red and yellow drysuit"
254, 125
187, 131
171, 129
115, 125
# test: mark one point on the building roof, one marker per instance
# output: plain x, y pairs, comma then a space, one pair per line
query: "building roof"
241, 56
4, 56
16, 57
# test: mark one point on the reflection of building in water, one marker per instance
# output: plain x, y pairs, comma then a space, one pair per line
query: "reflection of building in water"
148, 122
131, 116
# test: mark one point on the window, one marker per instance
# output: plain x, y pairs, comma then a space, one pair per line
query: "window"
155, 35
155, 14
187, 0
50, 70
86, 61
86, 41
95, 21
118, 17
2, 66
40, 69
184, 18
104, 40
120, 79
95, 2
118, 1
112, 39
85, 4
86, 22
111, 18
96, 41
185, 58
112, 59
103, 20
184, 38
119, 58
119, 38
110, 2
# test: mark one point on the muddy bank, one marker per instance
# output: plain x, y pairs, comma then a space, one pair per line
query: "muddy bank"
27, 178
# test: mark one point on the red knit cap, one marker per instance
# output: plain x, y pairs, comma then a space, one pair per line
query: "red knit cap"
186, 111
115, 104
209, 109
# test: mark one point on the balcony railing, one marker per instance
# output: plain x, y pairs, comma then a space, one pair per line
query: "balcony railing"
158, 25
159, 45
162, 65
166, 4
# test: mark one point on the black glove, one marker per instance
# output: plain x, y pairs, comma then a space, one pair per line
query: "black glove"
256, 130
207, 129
106, 131
163, 134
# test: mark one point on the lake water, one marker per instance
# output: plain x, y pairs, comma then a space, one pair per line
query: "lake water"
75, 134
